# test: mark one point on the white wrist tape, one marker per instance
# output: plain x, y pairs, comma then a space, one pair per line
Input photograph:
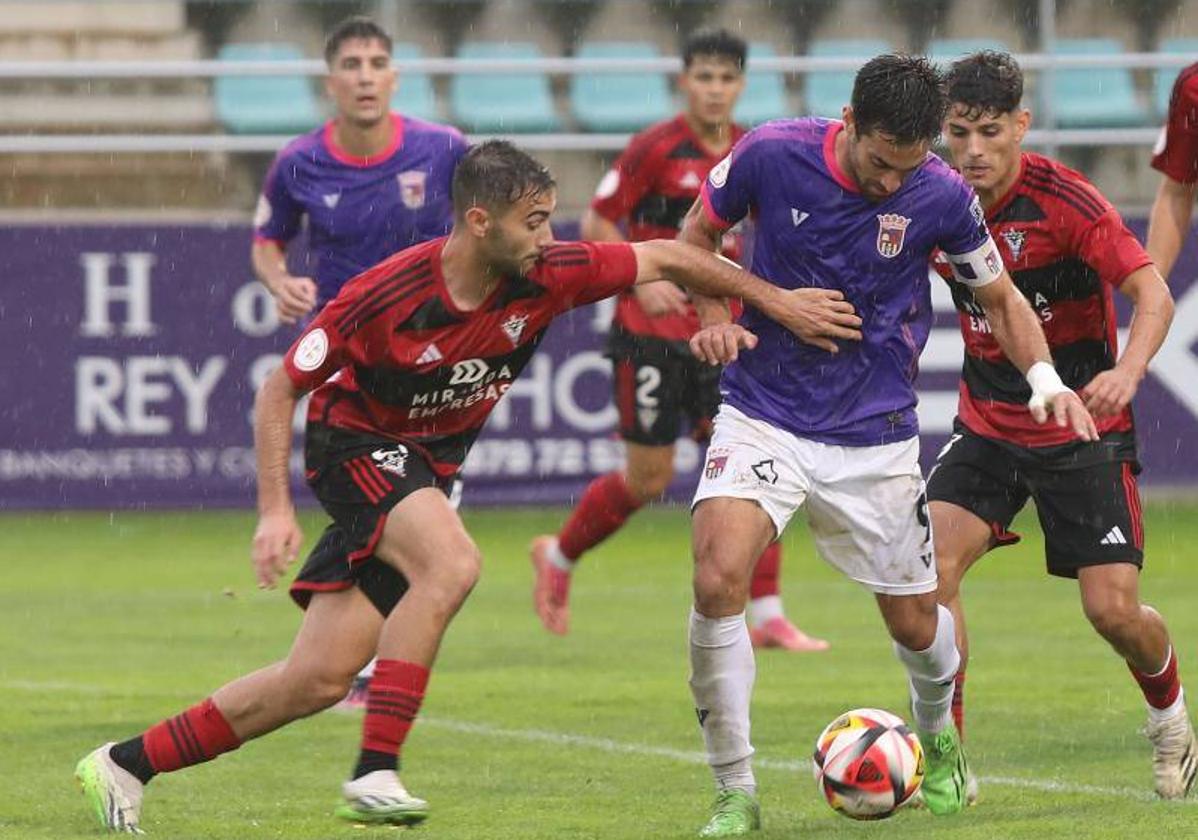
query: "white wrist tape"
1046, 383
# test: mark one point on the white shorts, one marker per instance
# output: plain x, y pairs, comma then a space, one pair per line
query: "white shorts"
865, 504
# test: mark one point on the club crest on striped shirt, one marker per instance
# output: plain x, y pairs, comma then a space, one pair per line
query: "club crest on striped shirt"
514, 326
892, 229
1014, 239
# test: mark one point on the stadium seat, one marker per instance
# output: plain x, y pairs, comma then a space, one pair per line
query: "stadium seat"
1162, 84
764, 98
415, 96
827, 92
502, 102
1094, 96
265, 104
619, 101
944, 51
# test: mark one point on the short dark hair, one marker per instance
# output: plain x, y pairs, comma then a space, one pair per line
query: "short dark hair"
899, 95
352, 29
715, 42
986, 82
496, 174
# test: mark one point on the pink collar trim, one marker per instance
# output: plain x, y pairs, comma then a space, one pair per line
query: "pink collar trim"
330, 143
830, 159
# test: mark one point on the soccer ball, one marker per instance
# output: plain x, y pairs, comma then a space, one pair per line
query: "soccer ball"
867, 764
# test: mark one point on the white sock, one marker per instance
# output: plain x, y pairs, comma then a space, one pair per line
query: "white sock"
722, 674
368, 670
763, 609
931, 675
1177, 707
558, 559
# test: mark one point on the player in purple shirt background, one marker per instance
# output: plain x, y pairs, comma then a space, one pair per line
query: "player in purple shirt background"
370, 181
857, 207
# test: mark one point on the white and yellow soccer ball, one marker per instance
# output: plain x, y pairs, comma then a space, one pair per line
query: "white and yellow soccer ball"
868, 764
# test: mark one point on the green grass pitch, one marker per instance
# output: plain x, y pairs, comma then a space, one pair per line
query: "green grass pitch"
110, 622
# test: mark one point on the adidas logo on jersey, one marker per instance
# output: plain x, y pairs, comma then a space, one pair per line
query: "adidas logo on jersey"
431, 354
1113, 537
690, 181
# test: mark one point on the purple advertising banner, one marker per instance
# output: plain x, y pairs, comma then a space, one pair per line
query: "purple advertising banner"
131, 355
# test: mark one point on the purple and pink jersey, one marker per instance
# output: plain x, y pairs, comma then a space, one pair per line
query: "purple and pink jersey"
814, 228
360, 210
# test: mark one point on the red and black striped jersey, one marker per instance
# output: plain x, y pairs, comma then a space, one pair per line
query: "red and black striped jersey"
1176, 152
392, 356
652, 185
1066, 247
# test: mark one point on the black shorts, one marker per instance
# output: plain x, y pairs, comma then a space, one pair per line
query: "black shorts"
358, 479
1086, 495
658, 384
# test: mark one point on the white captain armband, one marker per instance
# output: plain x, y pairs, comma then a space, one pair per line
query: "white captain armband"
979, 267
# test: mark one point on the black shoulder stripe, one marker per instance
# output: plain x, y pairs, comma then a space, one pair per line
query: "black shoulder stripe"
401, 278
1086, 212
383, 305
1077, 190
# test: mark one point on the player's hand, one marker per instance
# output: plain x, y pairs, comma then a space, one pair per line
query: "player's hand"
1109, 392
276, 544
720, 344
295, 297
818, 316
1067, 409
661, 298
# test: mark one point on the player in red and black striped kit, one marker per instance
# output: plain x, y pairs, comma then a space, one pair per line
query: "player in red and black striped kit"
1066, 248
406, 364
1176, 157
658, 384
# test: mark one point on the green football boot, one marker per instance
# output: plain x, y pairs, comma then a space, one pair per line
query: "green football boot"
379, 798
946, 774
113, 795
735, 814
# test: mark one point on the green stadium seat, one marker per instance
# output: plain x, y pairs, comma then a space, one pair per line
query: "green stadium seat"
765, 97
1162, 84
826, 93
619, 101
944, 51
1093, 97
415, 96
265, 104
502, 102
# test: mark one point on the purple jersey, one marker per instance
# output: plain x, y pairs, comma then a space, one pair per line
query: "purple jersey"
360, 210
813, 228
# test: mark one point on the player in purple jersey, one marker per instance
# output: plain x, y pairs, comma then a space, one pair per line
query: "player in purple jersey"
370, 181
859, 206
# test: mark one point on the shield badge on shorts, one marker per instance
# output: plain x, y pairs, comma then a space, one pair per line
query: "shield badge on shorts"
892, 229
411, 188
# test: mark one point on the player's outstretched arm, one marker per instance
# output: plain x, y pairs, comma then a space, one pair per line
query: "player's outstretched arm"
698, 230
1169, 222
278, 536
1017, 330
817, 316
1109, 392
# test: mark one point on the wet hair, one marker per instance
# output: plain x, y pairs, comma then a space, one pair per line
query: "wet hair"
353, 29
715, 42
986, 82
899, 95
496, 175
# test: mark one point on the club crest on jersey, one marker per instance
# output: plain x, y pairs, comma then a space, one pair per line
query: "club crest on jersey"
411, 188
392, 460
1015, 240
892, 229
514, 326
716, 462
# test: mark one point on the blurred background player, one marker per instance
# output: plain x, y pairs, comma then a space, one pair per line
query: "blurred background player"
858, 206
1176, 157
370, 182
389, 426
658, 382
1066, 247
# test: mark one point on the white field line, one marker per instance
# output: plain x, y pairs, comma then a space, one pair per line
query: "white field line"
608, 745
